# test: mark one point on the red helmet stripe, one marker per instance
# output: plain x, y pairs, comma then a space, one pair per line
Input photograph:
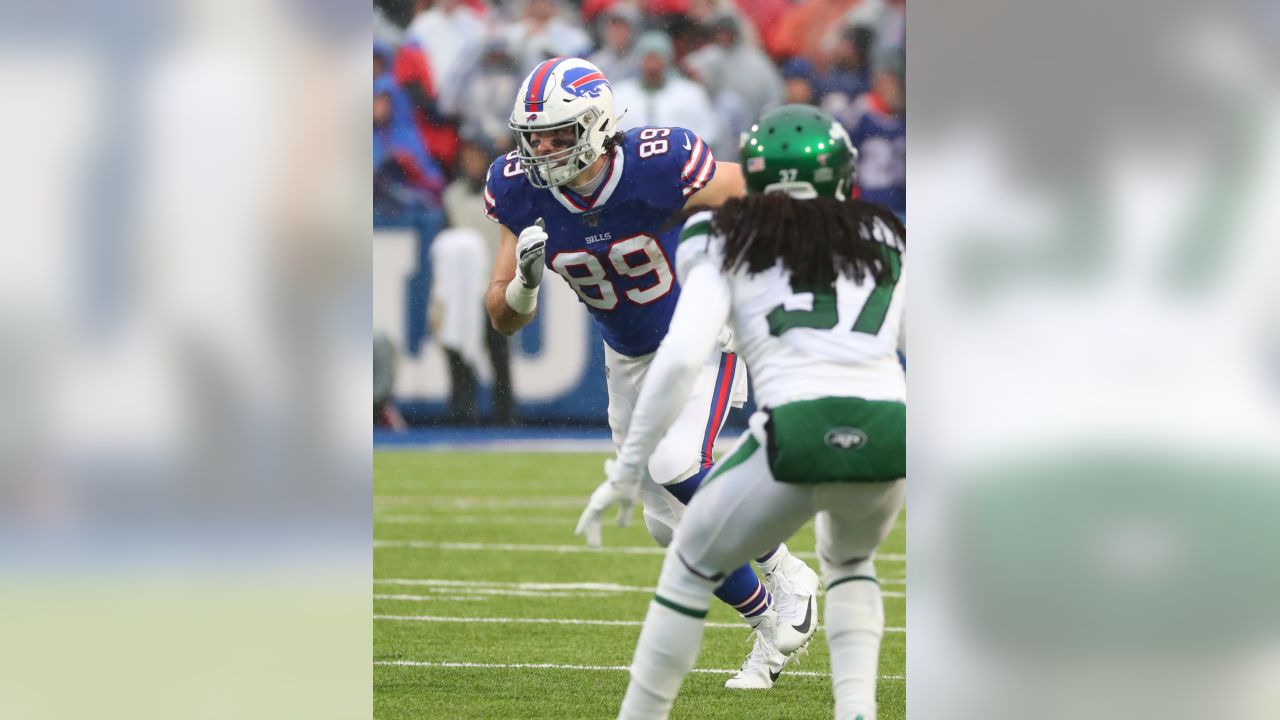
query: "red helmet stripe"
538, 85
586, 79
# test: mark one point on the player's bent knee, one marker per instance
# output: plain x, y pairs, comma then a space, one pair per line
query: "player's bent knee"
681, 583
671, 471
659, 529
671, 463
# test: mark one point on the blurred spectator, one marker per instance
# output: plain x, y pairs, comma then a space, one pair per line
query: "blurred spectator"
764, 16
809, 29
464, 206
799, 81
397, 12
878, 129
385, 362
459, 278
848, 74
730, 63
412, 70
406, 179
887, 18
592, 10
385, 31
542, 33
660, 96
488, 93
616, 57
705, 13
739, 78
673, 18
446, 30
383, 61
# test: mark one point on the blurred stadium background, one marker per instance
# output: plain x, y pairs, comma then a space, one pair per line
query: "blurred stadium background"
487, 447
446, 72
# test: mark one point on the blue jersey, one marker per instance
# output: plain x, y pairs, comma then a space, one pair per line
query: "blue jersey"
608, 246
881, 140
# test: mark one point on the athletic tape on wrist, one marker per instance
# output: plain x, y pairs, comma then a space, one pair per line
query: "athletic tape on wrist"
521, 299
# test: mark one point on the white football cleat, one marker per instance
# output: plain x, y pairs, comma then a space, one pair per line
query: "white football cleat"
794, 586
763, 666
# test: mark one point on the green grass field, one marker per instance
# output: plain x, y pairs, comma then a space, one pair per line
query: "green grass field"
469, 543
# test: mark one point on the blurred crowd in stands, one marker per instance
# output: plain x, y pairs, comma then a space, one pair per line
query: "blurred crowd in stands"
446, 73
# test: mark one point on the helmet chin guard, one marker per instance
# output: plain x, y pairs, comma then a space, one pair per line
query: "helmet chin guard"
561, 94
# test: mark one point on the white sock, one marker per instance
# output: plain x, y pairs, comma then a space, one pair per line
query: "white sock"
666, 652
769, 566
669, 642
855, 623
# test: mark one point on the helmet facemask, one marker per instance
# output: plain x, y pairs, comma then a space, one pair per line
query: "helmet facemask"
562, 165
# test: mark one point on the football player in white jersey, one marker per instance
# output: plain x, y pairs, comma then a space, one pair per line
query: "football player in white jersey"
813, 285
593, 204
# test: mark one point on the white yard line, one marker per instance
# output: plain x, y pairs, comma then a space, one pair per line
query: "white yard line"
607, 550
537, 589
431, 582
563, 521
554, 666
445, 518
557, 621
549, 445
492, 591
433, 598
483, 502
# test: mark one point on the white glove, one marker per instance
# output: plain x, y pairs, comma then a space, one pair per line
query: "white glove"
530, 247
621, 487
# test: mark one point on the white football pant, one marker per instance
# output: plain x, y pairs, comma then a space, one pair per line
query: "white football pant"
686, 448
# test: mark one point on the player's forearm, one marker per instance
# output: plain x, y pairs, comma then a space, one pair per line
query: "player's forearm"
504, 318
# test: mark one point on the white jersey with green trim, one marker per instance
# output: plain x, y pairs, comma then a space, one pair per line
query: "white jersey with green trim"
802, 343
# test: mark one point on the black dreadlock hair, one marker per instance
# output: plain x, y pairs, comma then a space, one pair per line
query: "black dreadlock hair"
816, 239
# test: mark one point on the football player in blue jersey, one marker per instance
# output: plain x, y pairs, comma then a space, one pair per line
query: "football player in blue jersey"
590, 202
878, 129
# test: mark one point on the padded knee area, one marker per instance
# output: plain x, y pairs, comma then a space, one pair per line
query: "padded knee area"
681, 584
659, 530
674, 459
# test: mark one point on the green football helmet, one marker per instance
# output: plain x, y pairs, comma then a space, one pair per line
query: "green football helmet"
799, 150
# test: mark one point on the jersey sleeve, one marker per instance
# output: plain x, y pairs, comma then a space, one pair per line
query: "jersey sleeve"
698, 246
674, 163
490, 200
693, 157
502, 187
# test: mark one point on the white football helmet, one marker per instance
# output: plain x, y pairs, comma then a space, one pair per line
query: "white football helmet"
563, 93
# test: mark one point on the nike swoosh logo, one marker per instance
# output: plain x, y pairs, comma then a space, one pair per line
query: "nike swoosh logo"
686, 142
773, 676
808, 618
